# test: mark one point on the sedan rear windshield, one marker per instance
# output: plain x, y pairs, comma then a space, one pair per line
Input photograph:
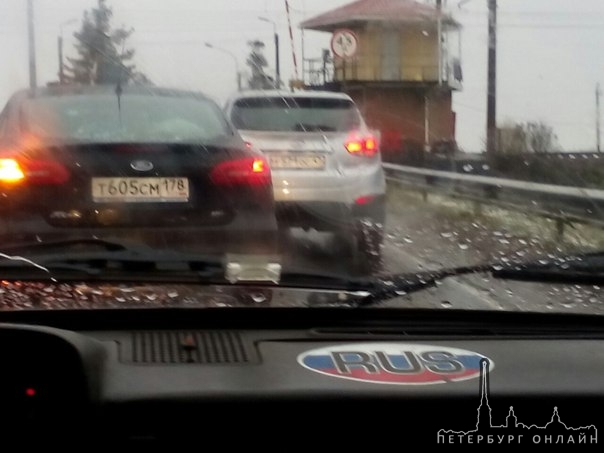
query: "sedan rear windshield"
132, 119
295, 114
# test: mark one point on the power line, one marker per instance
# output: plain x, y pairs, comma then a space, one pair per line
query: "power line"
543, 26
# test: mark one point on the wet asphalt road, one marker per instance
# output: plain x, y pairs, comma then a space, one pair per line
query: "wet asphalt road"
411, 247
418, 239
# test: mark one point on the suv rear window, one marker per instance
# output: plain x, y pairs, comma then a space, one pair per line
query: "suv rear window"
295, 114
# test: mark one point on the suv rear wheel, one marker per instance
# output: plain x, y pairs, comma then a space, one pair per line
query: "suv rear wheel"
361, 242
367, 252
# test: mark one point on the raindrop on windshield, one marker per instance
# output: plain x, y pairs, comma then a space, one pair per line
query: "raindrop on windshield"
258, 297
463, 246
447, 235
446, 304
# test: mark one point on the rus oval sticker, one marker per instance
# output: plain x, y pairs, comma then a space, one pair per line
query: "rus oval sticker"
395, 363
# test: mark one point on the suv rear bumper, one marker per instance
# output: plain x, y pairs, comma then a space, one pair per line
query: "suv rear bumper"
329, 216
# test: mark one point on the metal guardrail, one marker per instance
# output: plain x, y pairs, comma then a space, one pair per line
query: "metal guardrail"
565, 205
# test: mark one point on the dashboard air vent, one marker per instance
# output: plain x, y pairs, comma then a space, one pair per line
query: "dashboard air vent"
196, 347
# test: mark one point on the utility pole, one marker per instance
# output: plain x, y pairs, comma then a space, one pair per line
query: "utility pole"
492, 81
439, 34
598, 136
32, 45
277, 62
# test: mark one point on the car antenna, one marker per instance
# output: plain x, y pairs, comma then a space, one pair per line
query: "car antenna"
118, 92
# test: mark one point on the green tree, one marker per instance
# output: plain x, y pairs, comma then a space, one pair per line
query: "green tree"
103, 56
256, 61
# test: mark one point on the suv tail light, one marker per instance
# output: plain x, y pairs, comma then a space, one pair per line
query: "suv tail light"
33, 171
366, 145
250, 171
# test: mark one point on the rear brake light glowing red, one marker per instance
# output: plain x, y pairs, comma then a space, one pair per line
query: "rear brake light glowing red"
366, 199
32, 171
251, 171
362, 146
45, 172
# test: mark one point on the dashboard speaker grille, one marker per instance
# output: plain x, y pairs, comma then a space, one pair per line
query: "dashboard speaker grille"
205, 347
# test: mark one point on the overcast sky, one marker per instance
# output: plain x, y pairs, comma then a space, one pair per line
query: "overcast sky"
550, 52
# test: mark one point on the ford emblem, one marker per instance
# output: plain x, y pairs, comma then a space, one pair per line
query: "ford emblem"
141, 165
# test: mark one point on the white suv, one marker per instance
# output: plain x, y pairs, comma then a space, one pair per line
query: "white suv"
326, 163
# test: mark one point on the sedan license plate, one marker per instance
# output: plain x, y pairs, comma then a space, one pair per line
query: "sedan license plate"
140, 190
297, 162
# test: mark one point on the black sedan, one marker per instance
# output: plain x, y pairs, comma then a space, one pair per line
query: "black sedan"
90, 160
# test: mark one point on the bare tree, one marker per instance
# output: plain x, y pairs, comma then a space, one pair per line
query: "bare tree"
530, 137
541, 138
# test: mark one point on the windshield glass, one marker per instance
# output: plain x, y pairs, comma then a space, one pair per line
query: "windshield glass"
441, 154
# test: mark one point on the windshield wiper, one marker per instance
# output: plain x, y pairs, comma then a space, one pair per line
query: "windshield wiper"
585, 269
66, 244
78, 259
104, 260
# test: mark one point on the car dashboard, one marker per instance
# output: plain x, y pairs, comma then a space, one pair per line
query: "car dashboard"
329, 376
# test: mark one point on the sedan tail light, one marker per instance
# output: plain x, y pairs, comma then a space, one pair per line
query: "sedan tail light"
249, 171
32, 171
10, 171
366, 145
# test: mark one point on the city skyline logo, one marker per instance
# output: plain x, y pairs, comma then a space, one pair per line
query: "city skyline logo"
513, 431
